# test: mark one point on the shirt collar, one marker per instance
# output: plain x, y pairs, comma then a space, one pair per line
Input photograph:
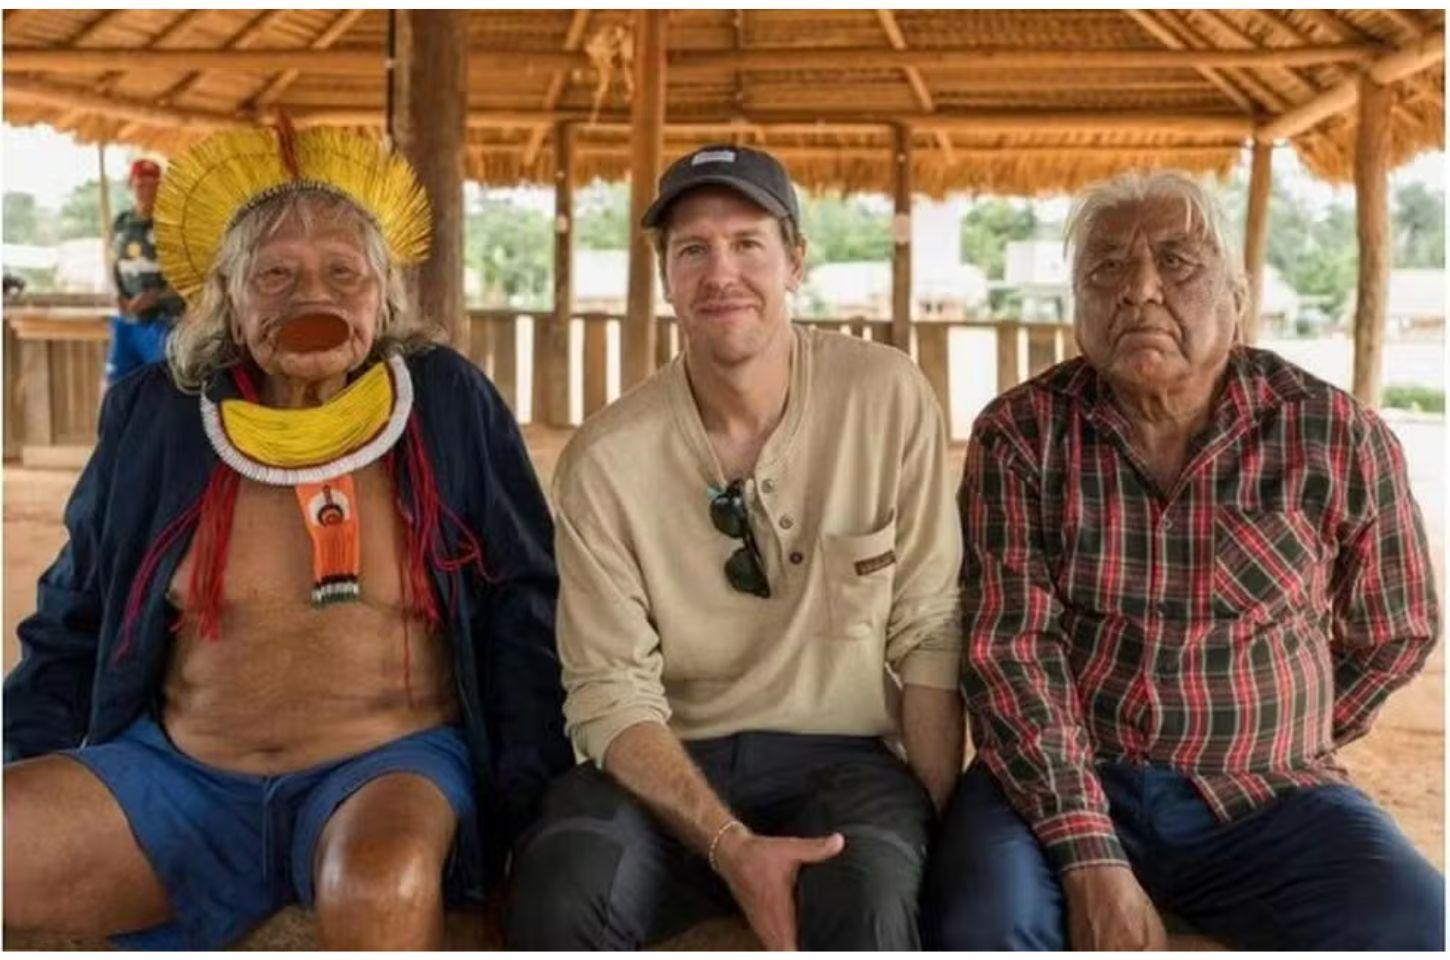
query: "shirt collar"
1259, 382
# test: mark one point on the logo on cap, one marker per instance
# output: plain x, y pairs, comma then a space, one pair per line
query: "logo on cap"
713, 156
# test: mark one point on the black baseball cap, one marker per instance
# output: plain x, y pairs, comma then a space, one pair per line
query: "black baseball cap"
754, 173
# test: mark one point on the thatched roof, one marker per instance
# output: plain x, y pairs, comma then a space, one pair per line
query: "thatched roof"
993, 100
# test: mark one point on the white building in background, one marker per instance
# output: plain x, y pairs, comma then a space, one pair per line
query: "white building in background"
863, 288
79, 265
1037, 271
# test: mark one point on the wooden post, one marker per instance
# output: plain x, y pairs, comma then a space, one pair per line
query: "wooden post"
647, 123
1372, 215
551, 348
430, 110
1256, 227
901, 239
1008, 352
596, 362
105, 201
932, 354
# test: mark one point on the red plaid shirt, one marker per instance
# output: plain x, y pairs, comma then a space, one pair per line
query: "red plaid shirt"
1239, 628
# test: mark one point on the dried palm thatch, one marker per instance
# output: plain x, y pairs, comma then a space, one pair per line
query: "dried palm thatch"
999, 101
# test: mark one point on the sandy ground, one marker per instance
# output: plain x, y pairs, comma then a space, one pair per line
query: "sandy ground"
1401, 763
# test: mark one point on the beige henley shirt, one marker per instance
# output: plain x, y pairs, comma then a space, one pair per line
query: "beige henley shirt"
853, 510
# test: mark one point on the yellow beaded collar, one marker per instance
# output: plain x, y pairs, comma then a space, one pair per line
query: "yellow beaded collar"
291, 447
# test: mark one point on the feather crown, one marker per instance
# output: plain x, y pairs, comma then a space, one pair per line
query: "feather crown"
209, 187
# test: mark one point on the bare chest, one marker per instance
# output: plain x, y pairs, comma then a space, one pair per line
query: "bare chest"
269, 553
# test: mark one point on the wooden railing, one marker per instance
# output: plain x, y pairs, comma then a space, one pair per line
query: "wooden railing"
503, 343
55, 352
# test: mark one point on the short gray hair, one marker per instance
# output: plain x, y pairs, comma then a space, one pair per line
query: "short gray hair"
202, 342
1200, 206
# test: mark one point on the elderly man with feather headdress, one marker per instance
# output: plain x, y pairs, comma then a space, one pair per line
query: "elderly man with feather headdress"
299, 645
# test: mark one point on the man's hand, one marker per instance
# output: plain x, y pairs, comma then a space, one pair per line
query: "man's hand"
1108, 910
761, 873
144, 300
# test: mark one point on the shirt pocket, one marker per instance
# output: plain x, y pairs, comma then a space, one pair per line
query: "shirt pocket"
1264, 562
860, 570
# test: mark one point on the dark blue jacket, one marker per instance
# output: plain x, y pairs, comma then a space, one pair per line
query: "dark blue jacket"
152, 461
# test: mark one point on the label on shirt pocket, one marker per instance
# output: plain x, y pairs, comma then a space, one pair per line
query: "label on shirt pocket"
859, 572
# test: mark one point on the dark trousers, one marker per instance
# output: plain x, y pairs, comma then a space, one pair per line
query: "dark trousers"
598, 871
1319, 868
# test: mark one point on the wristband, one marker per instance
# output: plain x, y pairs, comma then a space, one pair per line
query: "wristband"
715, 841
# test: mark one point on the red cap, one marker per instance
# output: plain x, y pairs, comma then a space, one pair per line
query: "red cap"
145, 168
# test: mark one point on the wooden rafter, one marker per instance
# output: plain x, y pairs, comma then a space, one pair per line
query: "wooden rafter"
913, 77
1408, 21
278, 85
1281, 26
1345, 31
1178, 23
1229, 29
253, 29
1165, 36
573, 39
92, 28
839, 119
696, 62
1425, 52
123, 108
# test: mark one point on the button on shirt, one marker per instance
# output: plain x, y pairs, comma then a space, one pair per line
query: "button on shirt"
1238, 628
851, 506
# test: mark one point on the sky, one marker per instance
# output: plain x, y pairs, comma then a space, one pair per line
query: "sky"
40, 161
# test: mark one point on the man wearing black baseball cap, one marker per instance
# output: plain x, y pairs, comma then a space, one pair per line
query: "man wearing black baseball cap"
146, 306
758, 551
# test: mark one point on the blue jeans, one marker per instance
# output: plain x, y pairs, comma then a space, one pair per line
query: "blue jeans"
135, 343
1319, 868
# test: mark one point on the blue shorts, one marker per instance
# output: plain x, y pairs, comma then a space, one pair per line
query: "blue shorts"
232, 849
134, 343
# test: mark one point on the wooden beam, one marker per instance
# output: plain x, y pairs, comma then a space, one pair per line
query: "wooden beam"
897, 39
573, 38
551, 383
1409, 59
1165, 153
1261, 92
1228, 28
93, 28
875, 58
647, 121
1145, 19
429, 125
901, 299
278, 85
252, 31
38, 91
1407, 20
1372, 219
835, 119
695, 62
1256, 238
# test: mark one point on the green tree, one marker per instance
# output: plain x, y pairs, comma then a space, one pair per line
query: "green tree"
988, 227
1419, 226
80, 214
840, 229
22, 218
513, 248
601, 216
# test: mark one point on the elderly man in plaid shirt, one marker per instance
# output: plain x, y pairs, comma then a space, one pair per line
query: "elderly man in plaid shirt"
1192, 573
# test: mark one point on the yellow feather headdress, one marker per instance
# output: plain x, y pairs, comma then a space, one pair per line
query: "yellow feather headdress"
208, 188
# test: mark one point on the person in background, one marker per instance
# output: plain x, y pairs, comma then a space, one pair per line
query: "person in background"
146, 305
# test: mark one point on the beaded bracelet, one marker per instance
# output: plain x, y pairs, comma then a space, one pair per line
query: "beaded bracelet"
715, 841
